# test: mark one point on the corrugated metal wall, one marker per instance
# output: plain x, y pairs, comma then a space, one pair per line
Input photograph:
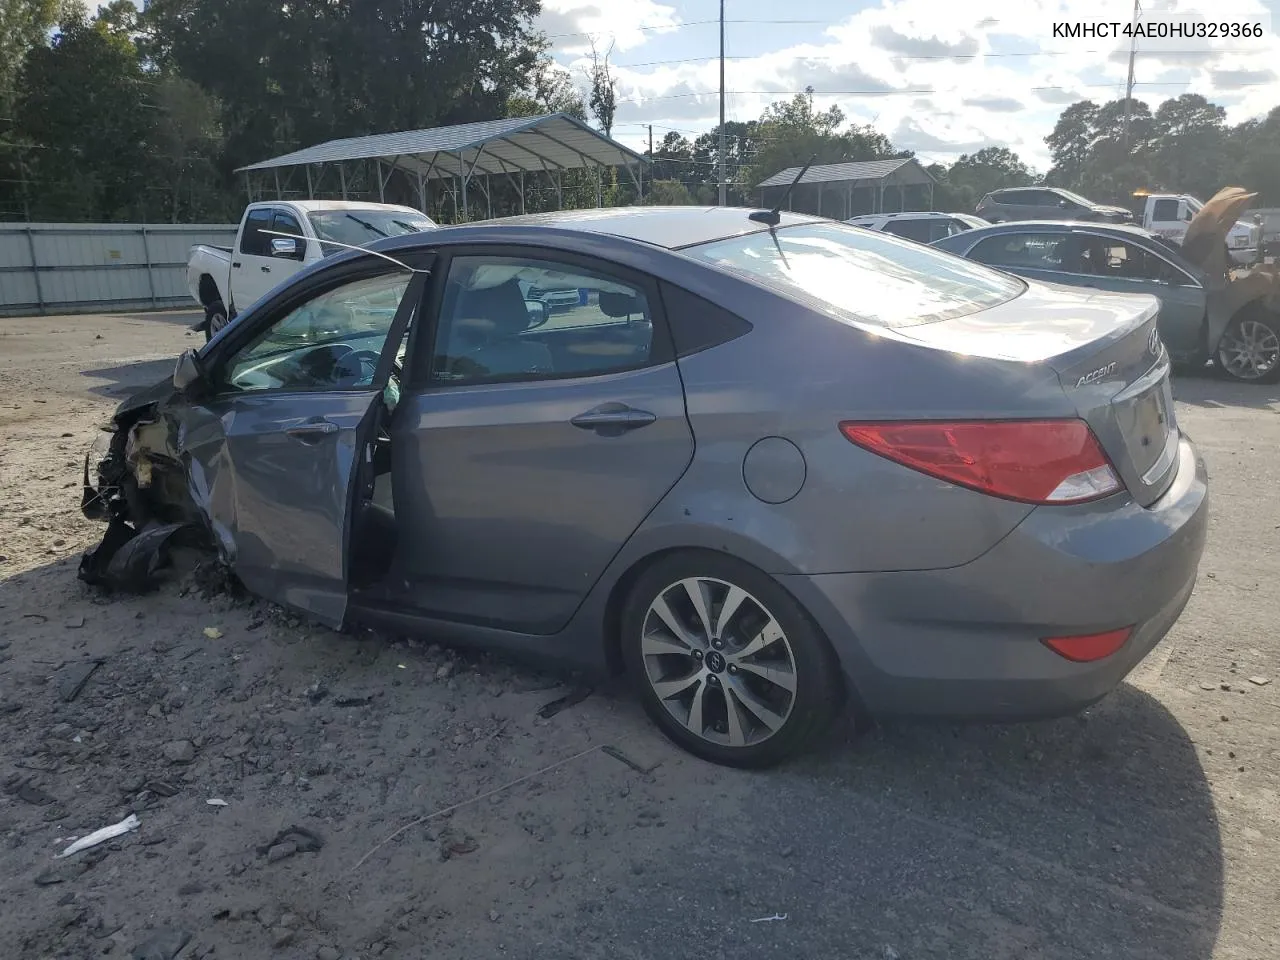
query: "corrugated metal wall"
50, 268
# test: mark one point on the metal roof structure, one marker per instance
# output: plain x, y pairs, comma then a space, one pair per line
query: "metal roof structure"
848, 172
511, 147
843, 179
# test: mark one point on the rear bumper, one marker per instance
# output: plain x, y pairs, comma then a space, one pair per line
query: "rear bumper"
964, 642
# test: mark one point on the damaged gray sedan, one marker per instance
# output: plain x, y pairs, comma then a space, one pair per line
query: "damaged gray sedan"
765, 463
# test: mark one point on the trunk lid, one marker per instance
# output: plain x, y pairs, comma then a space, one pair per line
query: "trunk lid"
1108, 357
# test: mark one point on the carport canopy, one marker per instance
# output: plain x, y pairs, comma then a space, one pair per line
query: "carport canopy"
511, 147
842, 179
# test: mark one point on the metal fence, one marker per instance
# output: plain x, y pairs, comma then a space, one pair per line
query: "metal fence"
51, 268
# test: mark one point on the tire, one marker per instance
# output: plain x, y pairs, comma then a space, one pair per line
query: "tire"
1249, 350
215, 316
712, 670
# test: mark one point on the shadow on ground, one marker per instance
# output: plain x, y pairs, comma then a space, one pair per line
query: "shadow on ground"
124, 380
1089, 837
1211, 388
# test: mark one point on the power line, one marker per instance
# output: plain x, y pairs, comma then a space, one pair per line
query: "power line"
936, 57
691, 23
915, 91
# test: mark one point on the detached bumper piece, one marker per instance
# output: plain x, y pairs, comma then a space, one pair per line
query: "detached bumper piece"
129, 560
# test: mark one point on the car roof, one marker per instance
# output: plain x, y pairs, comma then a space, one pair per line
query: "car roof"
320, 206
901, 215
668, 227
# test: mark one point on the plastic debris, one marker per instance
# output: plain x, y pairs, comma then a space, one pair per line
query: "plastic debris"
215, 802
776, 916
127, 825
1259, 681
213, 633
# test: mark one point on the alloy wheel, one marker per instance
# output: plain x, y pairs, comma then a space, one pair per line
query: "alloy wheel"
719, 662
1249, 350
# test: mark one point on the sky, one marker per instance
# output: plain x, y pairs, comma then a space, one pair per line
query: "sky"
939, 77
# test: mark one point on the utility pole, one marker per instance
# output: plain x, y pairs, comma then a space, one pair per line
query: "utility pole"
1128, 90
651, 159
723, 184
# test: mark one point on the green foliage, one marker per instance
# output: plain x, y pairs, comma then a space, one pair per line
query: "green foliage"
1183, 147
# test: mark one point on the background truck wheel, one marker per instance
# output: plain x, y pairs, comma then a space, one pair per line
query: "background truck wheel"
1249, 350
215, 315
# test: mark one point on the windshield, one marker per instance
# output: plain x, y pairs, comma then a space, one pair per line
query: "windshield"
1193, 204
866, 276
358, 227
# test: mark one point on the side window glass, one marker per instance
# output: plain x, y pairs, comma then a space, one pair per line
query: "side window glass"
516, 318
1114, 258
1164, 211
332, 342
917, 230
253, 241
286, 222
698, 324
1029, 250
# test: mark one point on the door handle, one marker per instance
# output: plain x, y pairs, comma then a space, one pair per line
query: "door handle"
266, 269
236, 264
613, 419
312, 431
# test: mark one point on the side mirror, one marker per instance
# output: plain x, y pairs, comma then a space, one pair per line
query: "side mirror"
539, 312
188, 372
284, 247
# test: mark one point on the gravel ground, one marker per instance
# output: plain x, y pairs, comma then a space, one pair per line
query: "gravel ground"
1147, 828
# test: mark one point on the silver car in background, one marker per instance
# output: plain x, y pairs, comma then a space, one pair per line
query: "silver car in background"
765, 468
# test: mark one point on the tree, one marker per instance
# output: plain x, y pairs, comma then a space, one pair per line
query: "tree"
295, 74
82, 102
550, 89
24, 25
1069, 143
604, 94
668, 193
973, 176
1190, 141
186, 139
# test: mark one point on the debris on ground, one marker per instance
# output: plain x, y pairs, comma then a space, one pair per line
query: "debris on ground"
772, 919
574, 696
213, 633
1259, 681
130, 562
128, 824
161, 945
71, 679
289, 841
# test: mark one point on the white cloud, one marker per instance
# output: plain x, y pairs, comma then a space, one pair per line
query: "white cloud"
573, 24
945, 78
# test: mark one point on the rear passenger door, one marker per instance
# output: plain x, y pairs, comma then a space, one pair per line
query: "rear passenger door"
530, 446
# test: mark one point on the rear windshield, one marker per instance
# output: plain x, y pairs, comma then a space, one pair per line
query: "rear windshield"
872, 277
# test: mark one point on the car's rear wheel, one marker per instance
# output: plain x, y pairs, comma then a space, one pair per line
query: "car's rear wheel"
726, 662
1250, 348
216, 315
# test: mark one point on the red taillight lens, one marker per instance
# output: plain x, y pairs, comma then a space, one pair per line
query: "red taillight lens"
1034, 461
1088, 647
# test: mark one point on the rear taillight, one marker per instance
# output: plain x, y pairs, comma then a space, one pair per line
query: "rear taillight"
1034, 461
1086, 648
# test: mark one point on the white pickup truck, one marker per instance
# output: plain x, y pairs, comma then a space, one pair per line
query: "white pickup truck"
1169, 215
225, 280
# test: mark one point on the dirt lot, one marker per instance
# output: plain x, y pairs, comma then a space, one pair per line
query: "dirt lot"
1149, 828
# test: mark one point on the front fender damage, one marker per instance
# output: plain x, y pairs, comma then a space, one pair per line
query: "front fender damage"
138, 480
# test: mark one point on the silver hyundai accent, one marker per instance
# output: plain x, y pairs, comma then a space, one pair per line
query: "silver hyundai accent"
769, 465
